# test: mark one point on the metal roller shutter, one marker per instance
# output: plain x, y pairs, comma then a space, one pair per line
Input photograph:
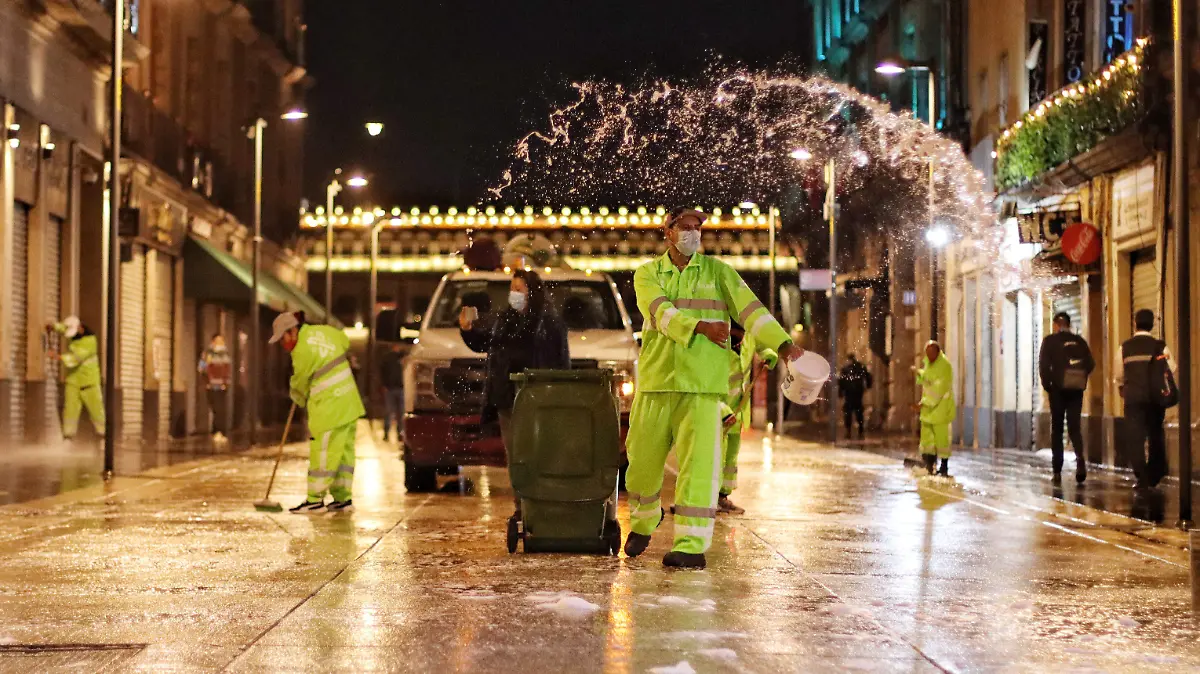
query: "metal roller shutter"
987, 330
53, 257
133, 324
1071, 303
1143, 291
19, 293
164, 318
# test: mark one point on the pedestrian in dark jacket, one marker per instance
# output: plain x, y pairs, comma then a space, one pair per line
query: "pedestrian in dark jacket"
1143, 417
853, 383
529, 334
1065, 362
391, 378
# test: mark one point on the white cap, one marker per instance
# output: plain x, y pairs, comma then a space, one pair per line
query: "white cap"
72, 325
283, 322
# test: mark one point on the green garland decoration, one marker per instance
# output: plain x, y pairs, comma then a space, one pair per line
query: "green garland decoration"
1073, 120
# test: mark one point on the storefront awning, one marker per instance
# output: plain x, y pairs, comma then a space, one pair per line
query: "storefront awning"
213, 275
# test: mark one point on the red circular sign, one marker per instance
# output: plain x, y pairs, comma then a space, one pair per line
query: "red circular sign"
1081, 243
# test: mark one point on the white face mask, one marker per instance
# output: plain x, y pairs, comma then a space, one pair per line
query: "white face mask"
517, 300
687, 242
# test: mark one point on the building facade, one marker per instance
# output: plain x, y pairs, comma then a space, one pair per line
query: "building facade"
881, 271
1070, 120
196, 75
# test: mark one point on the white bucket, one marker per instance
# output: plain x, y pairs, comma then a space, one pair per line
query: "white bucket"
804, 378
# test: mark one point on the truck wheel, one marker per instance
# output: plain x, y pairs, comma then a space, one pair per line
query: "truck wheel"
418, 479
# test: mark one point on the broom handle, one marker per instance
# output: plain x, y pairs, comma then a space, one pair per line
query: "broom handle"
286, 430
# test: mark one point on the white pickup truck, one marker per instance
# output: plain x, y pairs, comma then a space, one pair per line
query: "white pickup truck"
443, 379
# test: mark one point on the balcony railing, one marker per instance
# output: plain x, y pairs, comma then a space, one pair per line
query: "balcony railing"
155, 137
1073, 120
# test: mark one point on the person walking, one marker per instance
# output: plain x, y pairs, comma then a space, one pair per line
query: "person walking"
391, 378
1064, 364
323, 384
937, 408
529, 334
83, 390
853, 382
1143, 416
688, 300
748, 359
216, 366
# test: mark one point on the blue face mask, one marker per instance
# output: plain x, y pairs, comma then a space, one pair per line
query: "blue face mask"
518, 300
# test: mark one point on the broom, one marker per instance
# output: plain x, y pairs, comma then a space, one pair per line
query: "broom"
267, 505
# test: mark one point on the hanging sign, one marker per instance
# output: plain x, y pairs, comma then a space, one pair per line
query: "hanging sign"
1081, 243
1074, 53
1039, 33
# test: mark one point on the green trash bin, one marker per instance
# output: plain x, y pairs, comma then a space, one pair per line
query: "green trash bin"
564, 462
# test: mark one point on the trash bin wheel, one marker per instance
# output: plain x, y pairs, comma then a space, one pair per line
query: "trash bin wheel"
513, 535
612, 537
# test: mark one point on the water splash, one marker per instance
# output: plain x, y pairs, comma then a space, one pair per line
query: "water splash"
730, 136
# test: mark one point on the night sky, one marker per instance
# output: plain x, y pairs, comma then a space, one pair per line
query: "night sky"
456, 83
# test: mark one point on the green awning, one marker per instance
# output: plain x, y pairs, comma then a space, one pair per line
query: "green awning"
212, 274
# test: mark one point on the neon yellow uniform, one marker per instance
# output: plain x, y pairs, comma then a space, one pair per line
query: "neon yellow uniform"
740, 385
83, 389
936, 380
683, 383
323, 383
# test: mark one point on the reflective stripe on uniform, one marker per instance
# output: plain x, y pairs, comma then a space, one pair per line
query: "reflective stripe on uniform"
320, 473
327, 383
328, 367
346, 469
690, 511
750, 308
685, 303
668, 314
638, 498
763, 320
736, 378
658, 302
704, 532
1138, 359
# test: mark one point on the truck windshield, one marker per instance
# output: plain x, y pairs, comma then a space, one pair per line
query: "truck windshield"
583, 305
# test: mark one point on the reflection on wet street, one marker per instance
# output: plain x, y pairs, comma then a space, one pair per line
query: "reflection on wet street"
844, 561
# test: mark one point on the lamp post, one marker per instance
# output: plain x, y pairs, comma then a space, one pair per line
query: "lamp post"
256, 132
937, 237
891, 68
113, 243
1181, 54
335, 186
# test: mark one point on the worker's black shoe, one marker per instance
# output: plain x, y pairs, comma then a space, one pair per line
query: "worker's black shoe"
1080, 474
308, 507
684, 560
930, 462
636, 544
1056, 478
341, 506
944, 470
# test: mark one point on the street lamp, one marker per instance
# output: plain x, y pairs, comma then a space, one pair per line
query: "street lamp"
891, 68
374, 128
830, 213
113, 246
335, 186
256, 132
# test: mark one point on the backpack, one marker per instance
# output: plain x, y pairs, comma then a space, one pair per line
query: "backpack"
1075, 373
1163, 390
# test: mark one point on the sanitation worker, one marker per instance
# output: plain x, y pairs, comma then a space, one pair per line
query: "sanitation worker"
936, 379
323, 383
746, 364
82, 364
688, 300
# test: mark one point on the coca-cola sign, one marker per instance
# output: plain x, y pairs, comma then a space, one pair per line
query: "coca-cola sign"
1081, 243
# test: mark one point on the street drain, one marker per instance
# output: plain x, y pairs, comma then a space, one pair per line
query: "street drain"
24, 658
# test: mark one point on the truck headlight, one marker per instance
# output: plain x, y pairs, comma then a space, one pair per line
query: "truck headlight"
624, 381
420, 392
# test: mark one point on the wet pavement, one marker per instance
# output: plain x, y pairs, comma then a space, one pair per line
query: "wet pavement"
844, 561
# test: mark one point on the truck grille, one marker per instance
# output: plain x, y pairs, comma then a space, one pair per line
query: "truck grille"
461, 385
